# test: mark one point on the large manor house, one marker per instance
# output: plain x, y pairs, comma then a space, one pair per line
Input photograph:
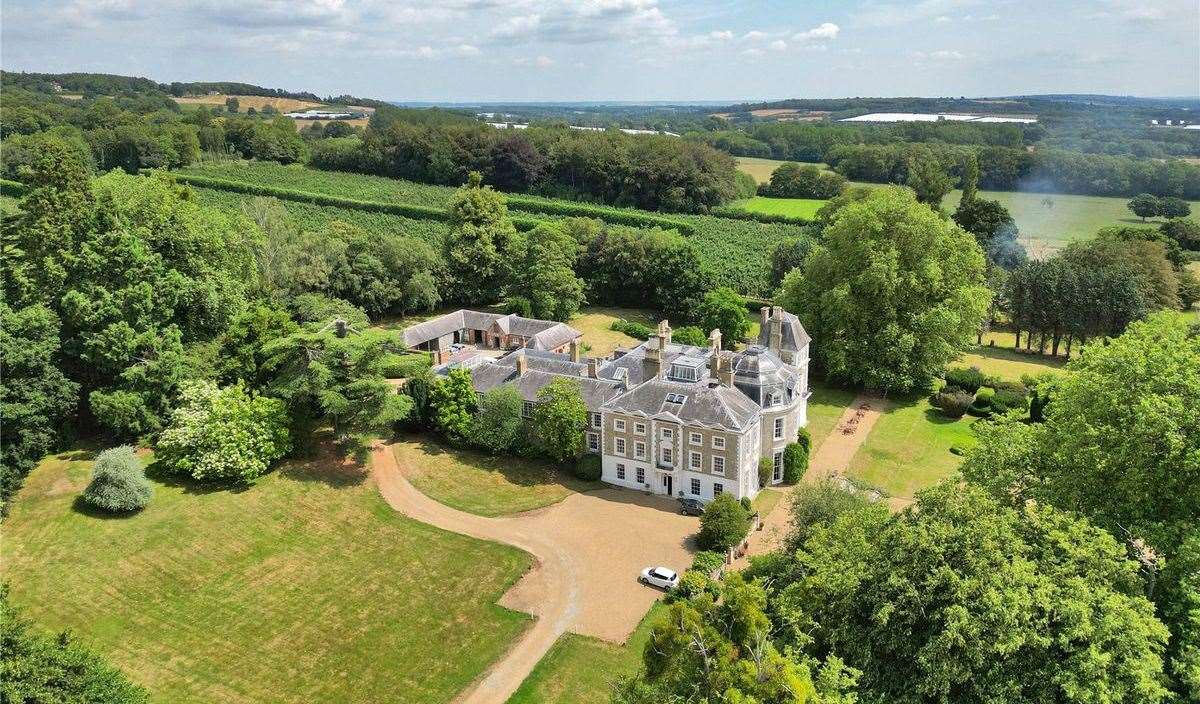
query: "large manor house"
664, 417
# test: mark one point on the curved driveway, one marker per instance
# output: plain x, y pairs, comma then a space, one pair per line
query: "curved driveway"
588, 549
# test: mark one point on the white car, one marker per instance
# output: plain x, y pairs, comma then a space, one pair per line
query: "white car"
659, 577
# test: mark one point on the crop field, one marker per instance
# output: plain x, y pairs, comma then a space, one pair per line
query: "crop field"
791, 207
1047, 221
258, 102
737, 250
305, 587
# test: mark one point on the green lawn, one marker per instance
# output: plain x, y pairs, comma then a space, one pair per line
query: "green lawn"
595, 322
825, 407
791, 207
305, 587
1003, 361
582, 670
909, 448
477, 483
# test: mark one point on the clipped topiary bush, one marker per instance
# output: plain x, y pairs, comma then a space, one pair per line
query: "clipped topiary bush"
632, 329
747, 504
804, 439
966, 378
954, 404
795, 461
1004, 401
404, 366
119, 484
588, 468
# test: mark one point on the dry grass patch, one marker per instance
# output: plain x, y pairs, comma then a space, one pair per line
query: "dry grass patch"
304, 587
258, 102
595, 324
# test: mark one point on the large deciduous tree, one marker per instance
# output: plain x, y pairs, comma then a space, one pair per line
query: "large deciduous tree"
891, 295
559, 419
540, 265
480, 231
1145, 205
497, 424
453, 402
724, 309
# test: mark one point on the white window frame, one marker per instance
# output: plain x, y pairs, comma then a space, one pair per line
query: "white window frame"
695, 487
668, 457
718, 460
593, 441
718, 442
619, 446
641, 475
777, 467
639, 428
668, 433
619, 425
778, 428
696, 438
621, 471
639, 450
695, 461
718, 489
596, 420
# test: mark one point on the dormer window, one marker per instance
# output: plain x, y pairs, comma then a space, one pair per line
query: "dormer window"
686, 368
676, 398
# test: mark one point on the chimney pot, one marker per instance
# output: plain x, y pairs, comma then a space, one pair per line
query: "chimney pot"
593, 368
575, 350
522, 363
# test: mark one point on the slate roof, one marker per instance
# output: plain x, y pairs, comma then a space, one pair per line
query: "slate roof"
541, 369
706, 403
542, 334
795, 337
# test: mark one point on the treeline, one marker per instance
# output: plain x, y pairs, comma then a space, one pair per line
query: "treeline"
651, 172
1096, 288
136, 131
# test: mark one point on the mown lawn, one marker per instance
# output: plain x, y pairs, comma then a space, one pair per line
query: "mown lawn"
304, 587
825, 407
1007, 363
791, 207
582, 670
909, 448
472, 481
595, 324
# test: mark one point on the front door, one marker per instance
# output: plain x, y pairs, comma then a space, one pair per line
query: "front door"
667, 483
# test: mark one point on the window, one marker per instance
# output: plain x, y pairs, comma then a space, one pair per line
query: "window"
668, 433
595, 420
639, 450
696, 438
778, 428
695, 487
718, 487
620, 446
639, 428
667, 456
676, 398
619, 425
718, 465
641, 475
694, 461
773, 399
620, 471
527, 409
593, 442
777, 470
684, 372
718, 443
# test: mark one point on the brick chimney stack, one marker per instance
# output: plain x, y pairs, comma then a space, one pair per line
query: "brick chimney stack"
775, 341
664, 334
593, 369
522, 363
575, 350
764, 318
725, 369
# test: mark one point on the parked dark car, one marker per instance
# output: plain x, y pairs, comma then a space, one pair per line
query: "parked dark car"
691, 507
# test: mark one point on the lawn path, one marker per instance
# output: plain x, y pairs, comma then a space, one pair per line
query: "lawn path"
831, 459
588, 549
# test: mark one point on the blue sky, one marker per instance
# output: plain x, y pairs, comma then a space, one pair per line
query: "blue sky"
623, 49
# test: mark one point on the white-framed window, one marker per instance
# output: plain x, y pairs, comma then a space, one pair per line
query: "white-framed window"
773, 399
668, 433
695, 487
593, 442
667, 456
777, 467
639, 428
620, 471
641, 475
718, 442
696, 438
694, 461
619, 425
718, 465
639, 450
718, 488
619, 446
595, 420
527, 409
778, 428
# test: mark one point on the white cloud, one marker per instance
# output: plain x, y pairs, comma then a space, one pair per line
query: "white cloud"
778, 45
542, 61
588, 21
826, 30
879, 14
938, 55
721, 35
754, 35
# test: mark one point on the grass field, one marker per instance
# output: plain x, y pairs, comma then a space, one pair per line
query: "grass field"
1009, 364
792, 207
825, 407
1047, 221
304, 587
909, 448
258, 102
582, 670
595, 324
477, 483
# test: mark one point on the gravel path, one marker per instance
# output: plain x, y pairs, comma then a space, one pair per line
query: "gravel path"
588, 548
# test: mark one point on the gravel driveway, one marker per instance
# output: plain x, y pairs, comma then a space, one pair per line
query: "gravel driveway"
589, 549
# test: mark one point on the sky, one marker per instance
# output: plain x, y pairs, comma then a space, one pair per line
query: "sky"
637, 50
